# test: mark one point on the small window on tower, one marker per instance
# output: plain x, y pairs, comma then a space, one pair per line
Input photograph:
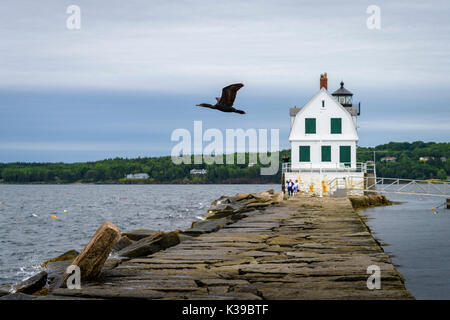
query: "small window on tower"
323, 103
348, 100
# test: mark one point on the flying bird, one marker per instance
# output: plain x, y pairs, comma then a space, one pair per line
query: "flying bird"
225, 102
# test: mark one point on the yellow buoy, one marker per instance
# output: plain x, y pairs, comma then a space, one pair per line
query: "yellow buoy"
65, 211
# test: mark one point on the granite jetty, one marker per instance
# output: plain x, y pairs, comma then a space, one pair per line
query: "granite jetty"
250, 246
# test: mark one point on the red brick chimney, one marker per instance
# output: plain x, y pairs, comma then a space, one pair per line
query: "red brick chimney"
324, 81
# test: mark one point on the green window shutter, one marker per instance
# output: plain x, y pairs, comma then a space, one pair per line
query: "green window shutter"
305, 154
345, 154
336, 125
326, 153
310, 125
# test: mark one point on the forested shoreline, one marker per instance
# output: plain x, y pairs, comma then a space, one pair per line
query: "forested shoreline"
162, 170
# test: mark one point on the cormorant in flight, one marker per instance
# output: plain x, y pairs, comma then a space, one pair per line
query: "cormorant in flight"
225, 103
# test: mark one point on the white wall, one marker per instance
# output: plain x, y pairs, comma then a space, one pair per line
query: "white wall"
311, 183
316, 154
323, 136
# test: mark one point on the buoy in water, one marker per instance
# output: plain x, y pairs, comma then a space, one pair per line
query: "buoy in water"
17, 218
2, 202
65, 211
54, 217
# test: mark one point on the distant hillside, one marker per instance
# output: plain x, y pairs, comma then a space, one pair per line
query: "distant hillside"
408, 164
162, 170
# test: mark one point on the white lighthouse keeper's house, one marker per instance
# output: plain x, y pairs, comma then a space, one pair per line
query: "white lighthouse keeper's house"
323, 144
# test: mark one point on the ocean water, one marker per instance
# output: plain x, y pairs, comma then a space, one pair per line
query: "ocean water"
29, 235
416, 235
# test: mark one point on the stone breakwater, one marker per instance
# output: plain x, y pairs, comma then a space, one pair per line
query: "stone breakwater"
250, 246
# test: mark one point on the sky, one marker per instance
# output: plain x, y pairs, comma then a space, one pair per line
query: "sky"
134, 71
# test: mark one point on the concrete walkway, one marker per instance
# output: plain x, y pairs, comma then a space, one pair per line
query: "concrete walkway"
305, 248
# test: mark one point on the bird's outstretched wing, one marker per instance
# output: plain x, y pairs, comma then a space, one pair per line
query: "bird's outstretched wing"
229, 94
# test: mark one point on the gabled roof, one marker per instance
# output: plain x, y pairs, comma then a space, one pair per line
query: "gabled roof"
309, 103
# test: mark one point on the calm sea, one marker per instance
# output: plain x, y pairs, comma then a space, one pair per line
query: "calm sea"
418, 240
418, 237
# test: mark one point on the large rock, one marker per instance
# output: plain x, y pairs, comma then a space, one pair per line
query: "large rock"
220, 213
5, 290
221, 200
278, 197
31, 285
259, 204
122, 243
110, 264
242, 196
69, 255
138, 234
151, 244
56, 270
184, 237
207, 226
94, 255
17, 296
359, 202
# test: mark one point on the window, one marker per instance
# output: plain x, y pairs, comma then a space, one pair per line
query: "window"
336, 125
310, 125
345, 155
305, 154
326, 153
348, 100
323, 103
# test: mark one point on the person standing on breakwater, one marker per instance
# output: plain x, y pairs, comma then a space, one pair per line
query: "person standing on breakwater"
290, 188
296, 187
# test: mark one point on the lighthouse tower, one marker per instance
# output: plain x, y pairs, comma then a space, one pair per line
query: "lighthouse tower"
323, 141
345, 98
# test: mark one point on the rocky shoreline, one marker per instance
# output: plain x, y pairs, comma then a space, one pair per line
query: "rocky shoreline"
110, 252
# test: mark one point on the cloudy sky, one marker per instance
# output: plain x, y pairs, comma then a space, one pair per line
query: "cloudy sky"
134, 71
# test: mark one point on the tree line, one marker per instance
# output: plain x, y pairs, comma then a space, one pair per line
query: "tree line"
163, 170
408, 164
